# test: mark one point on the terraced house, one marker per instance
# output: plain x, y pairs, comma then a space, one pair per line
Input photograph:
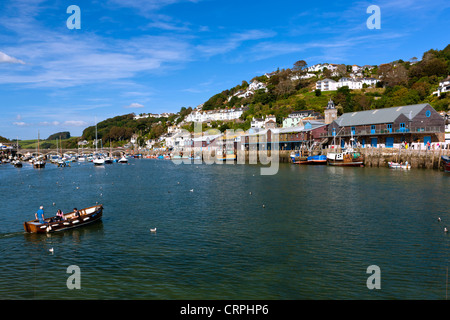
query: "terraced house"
390, 127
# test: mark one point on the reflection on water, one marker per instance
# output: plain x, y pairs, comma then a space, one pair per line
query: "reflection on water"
226, 232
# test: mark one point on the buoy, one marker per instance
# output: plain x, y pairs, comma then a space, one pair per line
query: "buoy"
445, 230
250, 192
439, 219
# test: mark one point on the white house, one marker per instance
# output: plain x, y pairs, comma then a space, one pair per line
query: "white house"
317, 67
350, 83
444, 86
261, 122
371, 82
356, 68
331, 85
257, 123
215, 115
327, 85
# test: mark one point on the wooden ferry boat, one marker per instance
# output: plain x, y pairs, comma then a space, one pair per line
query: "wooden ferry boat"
87, 216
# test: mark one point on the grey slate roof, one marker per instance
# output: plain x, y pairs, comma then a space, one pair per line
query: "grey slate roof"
387, 115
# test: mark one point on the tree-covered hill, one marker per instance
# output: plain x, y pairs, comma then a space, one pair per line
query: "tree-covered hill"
287, 90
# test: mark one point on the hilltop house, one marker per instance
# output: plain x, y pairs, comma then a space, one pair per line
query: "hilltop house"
389, 127
152, 115
351, 83
444, 86
327, 85
215, 115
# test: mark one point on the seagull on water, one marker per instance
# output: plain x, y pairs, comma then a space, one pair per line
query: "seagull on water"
152, 229
51, 250
192, 190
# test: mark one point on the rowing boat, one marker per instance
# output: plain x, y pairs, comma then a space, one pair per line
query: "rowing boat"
87, 216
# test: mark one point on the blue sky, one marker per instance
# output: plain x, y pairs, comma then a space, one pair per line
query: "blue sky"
158, 56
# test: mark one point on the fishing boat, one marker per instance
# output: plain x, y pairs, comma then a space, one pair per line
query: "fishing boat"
395, 165
318, 159
347, 158
446, 162
87, 216
301, 157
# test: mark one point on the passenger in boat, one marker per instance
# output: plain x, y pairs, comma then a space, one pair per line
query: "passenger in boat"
59, 215
40, 214
77, 213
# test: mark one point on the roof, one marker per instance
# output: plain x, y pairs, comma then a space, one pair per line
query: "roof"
386, 115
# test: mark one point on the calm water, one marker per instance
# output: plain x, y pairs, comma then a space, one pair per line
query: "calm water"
319, 231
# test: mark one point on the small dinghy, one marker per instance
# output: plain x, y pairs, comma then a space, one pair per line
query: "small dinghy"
395, 165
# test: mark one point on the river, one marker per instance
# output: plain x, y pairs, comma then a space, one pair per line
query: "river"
226, 232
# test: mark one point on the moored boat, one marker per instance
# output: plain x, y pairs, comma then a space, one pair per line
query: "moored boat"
39, 164
346, 158
395, 165
87, 216
98, 161
318, 159
123, 160
446, 163
17, 163
300, 157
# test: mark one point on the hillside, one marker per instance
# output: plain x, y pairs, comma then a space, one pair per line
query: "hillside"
287, 90
293, 89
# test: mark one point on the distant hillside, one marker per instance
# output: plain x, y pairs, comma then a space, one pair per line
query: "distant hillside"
60, 135
287, 90
120, 129
293, 89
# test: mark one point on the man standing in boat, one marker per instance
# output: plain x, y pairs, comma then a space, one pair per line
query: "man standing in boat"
40, 214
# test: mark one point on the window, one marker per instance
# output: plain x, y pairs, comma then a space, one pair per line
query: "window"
389, 127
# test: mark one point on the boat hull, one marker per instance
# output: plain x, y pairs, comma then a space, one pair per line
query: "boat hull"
345, 164
446, 163
394, 165
39, 165
88, 216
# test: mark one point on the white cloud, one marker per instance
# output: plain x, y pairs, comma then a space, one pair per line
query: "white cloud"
75, 123
20, 124
47, 123
4, 58
134, 105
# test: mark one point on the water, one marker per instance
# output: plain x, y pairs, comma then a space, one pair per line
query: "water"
320, 229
